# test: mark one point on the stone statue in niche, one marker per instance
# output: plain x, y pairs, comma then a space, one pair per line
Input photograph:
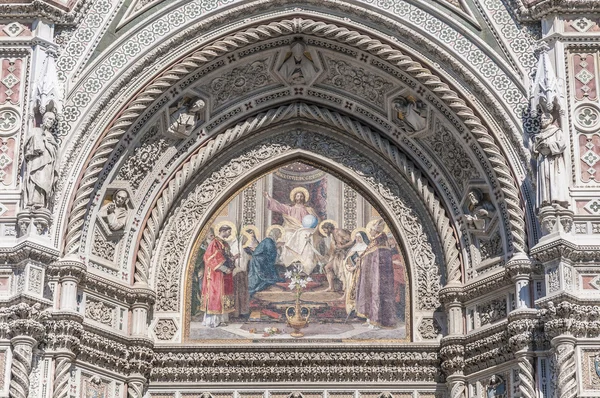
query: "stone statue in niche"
41, 149
496, 387
411, 113
298, 66
115, 212
481, 210
184, 117
549, 146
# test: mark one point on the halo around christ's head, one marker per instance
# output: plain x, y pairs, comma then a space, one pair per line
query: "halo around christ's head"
299, 189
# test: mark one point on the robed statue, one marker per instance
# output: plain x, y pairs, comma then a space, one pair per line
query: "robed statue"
41, 149
549, 146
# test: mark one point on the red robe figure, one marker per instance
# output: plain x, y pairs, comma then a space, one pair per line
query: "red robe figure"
217, 286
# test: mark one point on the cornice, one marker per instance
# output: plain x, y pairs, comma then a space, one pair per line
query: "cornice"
28, 250
536, 10
476, 289
297, 364
567, 318
40, 9
66, 267
63, 331
487, 348
113, 351
565, 249
118, 291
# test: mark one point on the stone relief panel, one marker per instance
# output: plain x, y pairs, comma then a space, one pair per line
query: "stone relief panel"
492, 247
429, 328
144, 158
101, 312
453, 156
299, 65
363, 83
492, 311
108, 232
234, 84
184, 116
553, 279
165, 329
479, 211
590, 369
103, 247
411, 114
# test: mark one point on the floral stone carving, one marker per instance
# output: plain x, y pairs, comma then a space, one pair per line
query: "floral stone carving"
165, 329
429, 328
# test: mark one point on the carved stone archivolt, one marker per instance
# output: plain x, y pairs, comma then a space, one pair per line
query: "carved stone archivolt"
510, 208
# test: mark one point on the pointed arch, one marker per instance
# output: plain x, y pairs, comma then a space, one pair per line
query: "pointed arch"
211, 187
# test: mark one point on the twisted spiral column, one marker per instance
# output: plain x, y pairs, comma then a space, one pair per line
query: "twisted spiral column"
22, 355
135, 388
457, 387
566, 379
62, 368
526, 377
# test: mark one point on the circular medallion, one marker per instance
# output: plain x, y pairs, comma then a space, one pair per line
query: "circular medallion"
587, 117
9, 120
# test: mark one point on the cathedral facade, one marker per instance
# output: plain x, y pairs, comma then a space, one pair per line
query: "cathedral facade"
319, 198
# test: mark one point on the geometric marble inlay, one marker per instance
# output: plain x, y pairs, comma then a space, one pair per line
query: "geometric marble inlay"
584, 76
582, 24
593, 206
590, 158
10, 80
5, 160
13, 29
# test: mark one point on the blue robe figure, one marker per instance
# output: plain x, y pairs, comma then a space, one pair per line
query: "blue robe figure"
261, 268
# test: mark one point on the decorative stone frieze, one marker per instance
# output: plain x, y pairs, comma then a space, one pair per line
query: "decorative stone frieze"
292, 365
